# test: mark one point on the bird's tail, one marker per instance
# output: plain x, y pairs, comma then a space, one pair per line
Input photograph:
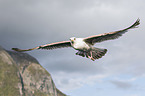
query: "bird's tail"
96, 53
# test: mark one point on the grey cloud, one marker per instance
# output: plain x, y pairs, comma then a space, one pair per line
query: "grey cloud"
121, 84
30, 23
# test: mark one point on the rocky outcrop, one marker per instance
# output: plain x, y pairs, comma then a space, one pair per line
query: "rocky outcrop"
22, 75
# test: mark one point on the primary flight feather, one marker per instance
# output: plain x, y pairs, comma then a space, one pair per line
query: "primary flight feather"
85, 45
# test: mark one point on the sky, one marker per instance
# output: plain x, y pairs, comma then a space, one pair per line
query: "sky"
30, 23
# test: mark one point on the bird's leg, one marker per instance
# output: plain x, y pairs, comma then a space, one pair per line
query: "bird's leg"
91, 57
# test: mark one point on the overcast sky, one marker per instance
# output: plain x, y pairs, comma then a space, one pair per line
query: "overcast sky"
121, 72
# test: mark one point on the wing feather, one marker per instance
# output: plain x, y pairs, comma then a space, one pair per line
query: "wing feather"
56, 45
47, 46
109, 36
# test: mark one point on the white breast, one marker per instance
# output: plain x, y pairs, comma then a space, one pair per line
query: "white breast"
79, 44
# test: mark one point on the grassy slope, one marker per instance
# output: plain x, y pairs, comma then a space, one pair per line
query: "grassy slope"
9, 79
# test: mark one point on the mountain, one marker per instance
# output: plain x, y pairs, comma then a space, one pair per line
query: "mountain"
22, 75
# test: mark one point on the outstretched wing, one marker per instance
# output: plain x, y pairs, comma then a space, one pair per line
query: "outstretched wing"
47, 46
109, 36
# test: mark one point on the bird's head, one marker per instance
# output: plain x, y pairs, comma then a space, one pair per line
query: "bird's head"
72, 39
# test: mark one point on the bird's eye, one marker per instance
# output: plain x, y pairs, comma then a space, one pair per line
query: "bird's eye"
74, 38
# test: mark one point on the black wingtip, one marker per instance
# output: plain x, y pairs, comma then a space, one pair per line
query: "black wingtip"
17, 49
137, 22
135, 25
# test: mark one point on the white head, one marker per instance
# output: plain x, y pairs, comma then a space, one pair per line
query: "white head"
72, 39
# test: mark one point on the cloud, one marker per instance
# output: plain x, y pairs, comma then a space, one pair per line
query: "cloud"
121, 84
74, 81
30, 23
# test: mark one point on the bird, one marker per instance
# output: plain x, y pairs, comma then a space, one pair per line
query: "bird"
84, 46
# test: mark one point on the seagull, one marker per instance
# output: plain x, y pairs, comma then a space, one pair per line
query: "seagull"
84, 46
